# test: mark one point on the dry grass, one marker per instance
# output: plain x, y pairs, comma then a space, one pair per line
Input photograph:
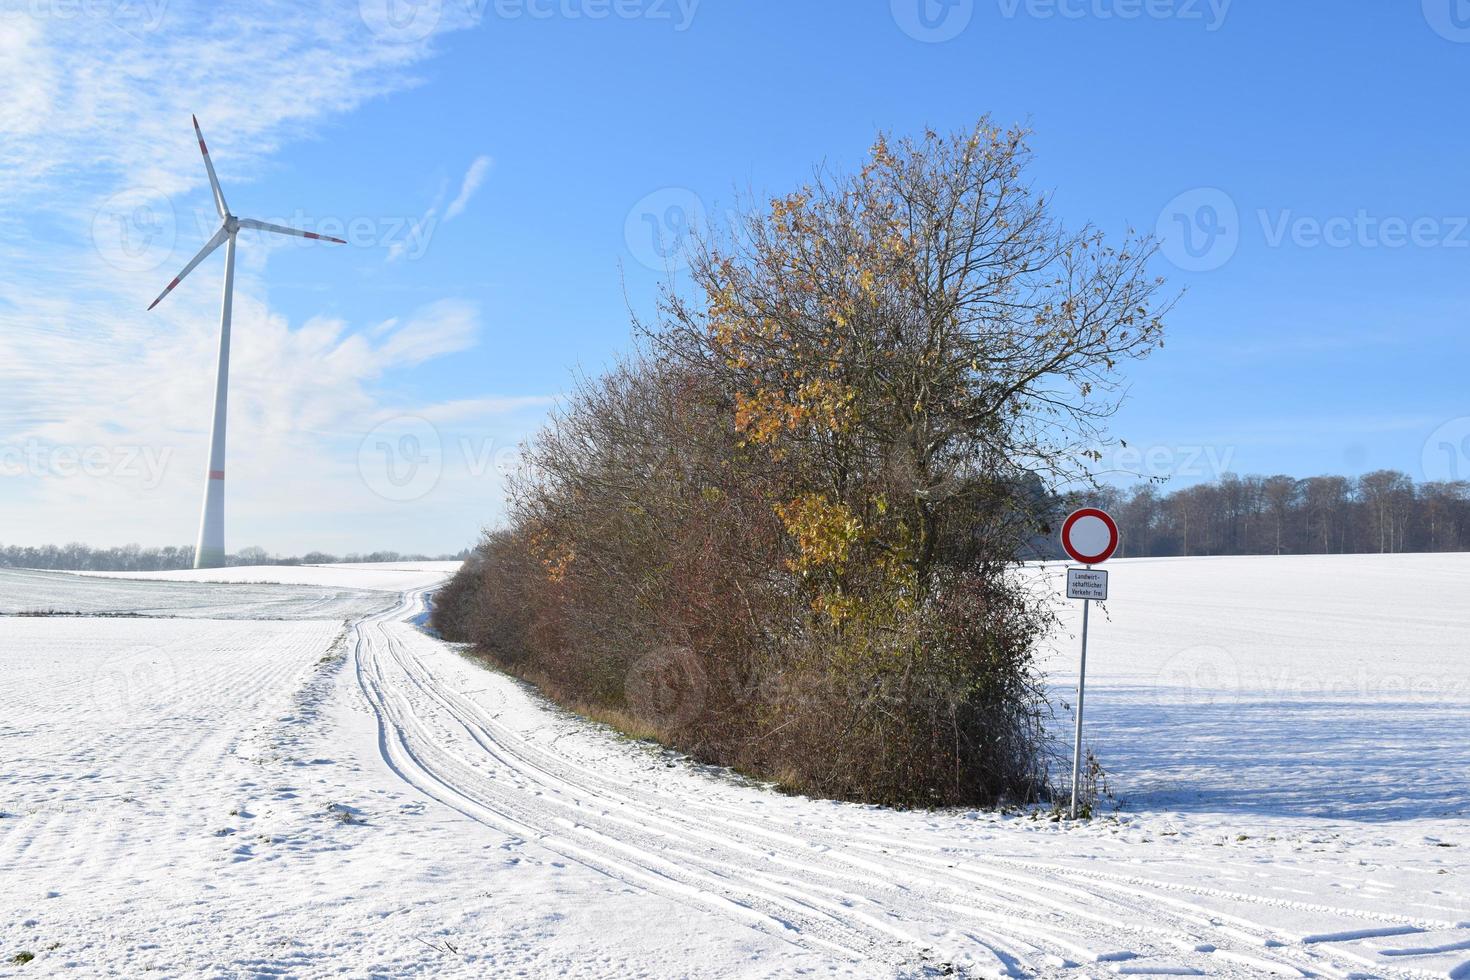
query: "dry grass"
623, 722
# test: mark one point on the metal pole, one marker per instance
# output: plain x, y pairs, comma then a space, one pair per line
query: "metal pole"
1081, 688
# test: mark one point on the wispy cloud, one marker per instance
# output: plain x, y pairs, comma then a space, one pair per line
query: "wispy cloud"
104, 105
473, 178
412, 244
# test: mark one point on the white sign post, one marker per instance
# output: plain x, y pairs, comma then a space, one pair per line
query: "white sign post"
1090, 536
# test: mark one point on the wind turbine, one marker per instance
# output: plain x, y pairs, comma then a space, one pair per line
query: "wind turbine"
209, 551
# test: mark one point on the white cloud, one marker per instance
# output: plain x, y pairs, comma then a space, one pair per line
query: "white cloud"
26, 78
473, 178
302, 399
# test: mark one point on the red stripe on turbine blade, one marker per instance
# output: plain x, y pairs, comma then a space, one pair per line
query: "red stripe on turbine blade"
216, 474
167, 290
202, 148
311, 234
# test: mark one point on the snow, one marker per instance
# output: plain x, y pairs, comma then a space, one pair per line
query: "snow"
35, 592
267, 797
1322, 685
384, 576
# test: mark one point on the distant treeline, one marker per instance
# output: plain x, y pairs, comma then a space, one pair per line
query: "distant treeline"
135, 558
1379, 512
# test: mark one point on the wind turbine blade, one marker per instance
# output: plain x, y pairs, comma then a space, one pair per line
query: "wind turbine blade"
283, 230
219, 195
209, 246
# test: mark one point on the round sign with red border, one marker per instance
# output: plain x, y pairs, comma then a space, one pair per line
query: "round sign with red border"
1090, 536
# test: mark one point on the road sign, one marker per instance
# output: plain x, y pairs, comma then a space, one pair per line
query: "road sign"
1090, 536
1086, 583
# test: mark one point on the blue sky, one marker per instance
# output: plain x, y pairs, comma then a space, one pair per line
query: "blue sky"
498, 167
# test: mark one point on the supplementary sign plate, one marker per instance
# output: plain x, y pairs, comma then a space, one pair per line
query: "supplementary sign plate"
1086, 583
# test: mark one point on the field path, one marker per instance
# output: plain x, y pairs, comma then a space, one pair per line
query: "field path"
909, 892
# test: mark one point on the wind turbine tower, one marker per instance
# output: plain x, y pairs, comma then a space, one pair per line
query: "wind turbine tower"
209, 551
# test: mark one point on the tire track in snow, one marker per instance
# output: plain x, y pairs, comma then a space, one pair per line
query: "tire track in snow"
1021, 903
1014, 908
1007, 954
867, 896
413, 753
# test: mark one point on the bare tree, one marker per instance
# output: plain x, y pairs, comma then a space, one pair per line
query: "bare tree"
1280, 493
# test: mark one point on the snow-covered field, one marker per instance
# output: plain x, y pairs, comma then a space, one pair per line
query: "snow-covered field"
1287, 738
35, 592
395, 576
1323, 686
